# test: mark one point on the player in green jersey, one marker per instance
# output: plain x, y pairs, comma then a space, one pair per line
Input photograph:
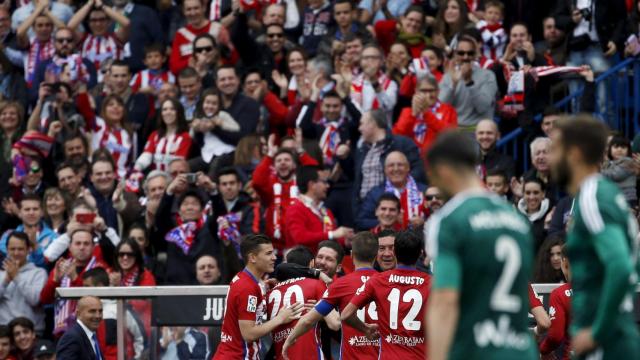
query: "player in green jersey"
601, 243
483, 256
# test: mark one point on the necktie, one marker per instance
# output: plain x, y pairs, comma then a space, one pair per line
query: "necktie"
96, 347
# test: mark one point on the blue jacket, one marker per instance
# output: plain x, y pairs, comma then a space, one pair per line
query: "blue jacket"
366, 217
45, 237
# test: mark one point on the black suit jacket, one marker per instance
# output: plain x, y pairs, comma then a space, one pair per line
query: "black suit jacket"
609, 19
75, 345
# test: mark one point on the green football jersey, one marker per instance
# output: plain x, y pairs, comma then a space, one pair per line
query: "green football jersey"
483, 248
603, 249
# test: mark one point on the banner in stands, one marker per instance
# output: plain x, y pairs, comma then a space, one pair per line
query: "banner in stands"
197, 310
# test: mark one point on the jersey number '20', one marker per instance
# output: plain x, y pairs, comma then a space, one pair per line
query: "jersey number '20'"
276, 298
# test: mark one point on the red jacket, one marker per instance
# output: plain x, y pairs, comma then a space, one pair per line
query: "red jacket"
387, 34
443, 118
306, 227
560, 314
277, 110
182, 49
48, 293
410, 81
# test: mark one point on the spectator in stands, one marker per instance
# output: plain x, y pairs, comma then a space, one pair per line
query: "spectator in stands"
399, 182
388, 214
620, 168
366, 163
32, 181
433, 201
317, 19
129, 266
154, 186
307, 220
151, 79
554, 47
539, 148
197, 24
427, 116
487, 136
346, 22
520, 51
244, 110
32, 224
535, 206
69, 181
372, 88
386, 259
266, 57
144, 29
250, 151
44, 350
298, 81
15, 88
273, 111
191, 233
171, 140
470, 89
407, 30
55, 208
498, 183
20, 283
23, 337
103, 183
494, 37
452, 17
111, 133
75, 149
98, 44
208, 271
190, 86
5, 335
205, 59
548, 261
59, 9
373, 11
329, 257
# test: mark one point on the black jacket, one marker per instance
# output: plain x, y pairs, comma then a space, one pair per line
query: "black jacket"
74, 345
609, 19
494, 160
243, 205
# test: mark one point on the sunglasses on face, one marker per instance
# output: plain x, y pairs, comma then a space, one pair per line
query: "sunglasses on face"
64, 40
124, 254
203, 49
432, 197
463, 53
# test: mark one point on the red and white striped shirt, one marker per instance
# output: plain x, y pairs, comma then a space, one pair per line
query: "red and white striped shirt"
116, 140
100, 48
160, 151
151, 78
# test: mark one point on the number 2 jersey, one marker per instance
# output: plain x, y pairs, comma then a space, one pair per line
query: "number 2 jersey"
245, 301
353, 345
401, 298
290, 292
483, 249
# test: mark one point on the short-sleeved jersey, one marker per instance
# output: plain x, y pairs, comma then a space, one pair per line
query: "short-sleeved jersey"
483, 249
245, 301
353, 345
557, 339
401, 298
534, 302
602, 227
290, 292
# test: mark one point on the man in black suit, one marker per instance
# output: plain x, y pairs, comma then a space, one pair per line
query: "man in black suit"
80, 340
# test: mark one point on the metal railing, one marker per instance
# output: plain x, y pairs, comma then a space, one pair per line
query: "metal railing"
621, 107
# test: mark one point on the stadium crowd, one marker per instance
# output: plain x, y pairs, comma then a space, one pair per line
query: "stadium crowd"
142, 141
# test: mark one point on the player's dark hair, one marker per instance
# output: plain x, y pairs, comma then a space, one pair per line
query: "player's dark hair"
455, 149
585, 133
305, 175
300, 255
364, 246
335, 246
98, 276
388, 197
20, 236
251, 243
408, 248
387, 233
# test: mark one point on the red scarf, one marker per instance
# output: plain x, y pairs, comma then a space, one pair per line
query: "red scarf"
330, 139
357, 87
130, 278
277, 205
183, 235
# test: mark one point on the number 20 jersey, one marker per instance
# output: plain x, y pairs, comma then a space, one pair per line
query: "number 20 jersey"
401, 298
483, 249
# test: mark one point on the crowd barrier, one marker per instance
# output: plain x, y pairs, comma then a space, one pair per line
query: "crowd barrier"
195, 306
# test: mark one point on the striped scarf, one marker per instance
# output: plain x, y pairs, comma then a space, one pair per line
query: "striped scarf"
232, 232
100, 48
277, 205
330, 139
357, 90
420, 127
64, 310
38, 53
494, 39
414, 198
183, 235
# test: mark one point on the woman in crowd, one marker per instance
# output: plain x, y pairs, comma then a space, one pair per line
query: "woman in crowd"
11, 128
297, 65
249, 152
620, 168
409, 30
205, 58
110, 132
23, 338
170, 141
55, 210
452, 17
549, 261
535, 206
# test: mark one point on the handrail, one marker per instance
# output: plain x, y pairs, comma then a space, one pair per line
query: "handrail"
513, 135
121, 292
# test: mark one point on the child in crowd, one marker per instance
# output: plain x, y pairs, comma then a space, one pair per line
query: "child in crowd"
497, 182
620, 168
493, 35
151, 79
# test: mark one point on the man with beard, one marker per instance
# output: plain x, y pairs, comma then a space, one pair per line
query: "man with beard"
76, 153
308, 221
481, 279
601, 242
487, 136
69, 181
266, 57
552, 48
432, 201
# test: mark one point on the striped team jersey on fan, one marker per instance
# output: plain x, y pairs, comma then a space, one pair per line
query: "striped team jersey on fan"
245, 301
290, 292
160, 151
151, 78
116, 140
353, 345
100, 48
